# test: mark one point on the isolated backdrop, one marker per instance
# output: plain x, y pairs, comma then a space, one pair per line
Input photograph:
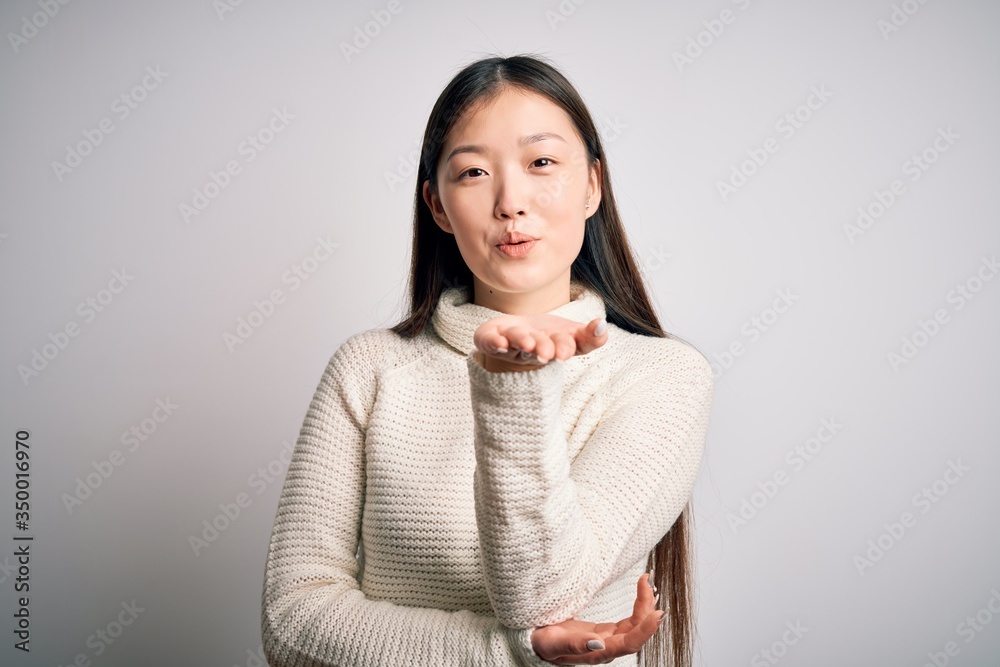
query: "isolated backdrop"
201, 200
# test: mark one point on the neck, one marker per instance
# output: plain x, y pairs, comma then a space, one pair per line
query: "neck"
541, 300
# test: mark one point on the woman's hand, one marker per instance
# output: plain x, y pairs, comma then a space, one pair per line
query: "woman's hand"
566, 643
526, 342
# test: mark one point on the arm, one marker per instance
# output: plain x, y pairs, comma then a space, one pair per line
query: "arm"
313, 612
554, 534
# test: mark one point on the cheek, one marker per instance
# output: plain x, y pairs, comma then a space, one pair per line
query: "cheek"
467, 217
469, 207
567, 195
565, 208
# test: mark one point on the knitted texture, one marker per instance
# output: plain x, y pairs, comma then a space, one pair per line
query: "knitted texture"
435, 513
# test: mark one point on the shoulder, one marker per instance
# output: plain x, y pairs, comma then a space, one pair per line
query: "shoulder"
663, 360
368, 354
353, 373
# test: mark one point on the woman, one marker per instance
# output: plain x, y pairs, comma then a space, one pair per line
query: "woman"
520, 450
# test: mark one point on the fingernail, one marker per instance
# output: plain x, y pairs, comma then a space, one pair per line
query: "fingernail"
649, 581
595, 645
601, 327
501, 350
661, 619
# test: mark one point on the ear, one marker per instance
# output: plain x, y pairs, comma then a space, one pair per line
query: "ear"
594, 185
437, 211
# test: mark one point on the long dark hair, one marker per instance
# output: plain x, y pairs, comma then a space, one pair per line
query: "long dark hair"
605, 265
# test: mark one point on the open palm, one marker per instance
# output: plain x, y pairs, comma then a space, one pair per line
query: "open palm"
540, 337
565, 643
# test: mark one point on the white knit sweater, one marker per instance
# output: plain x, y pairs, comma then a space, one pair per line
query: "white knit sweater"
434, 513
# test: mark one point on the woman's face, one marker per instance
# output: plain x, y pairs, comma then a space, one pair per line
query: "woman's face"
517, 166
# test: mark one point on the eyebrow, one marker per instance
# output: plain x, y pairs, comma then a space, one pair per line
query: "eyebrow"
523, 141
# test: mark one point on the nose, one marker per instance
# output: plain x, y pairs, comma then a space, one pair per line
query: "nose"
512, 199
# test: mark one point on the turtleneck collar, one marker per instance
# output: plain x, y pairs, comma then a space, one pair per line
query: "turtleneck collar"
456, 319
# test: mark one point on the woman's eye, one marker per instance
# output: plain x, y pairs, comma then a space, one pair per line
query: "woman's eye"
469, 173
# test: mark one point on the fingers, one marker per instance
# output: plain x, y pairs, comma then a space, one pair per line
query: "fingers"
561, 345
615, 645
645, 599
624, 644
490, 339
526, 344
541, 346
567, 643
582, 645
516, 340
507, 346
587, 338
538, 345
498, 343
565, 345
641, 633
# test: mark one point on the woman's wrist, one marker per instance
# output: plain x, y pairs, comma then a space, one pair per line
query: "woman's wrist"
494, 365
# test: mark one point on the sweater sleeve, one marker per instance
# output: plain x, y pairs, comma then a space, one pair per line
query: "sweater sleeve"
554, 533
313, 612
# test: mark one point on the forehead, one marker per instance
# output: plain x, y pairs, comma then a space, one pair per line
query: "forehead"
514, 110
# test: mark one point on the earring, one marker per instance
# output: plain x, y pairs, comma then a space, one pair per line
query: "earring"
588, 204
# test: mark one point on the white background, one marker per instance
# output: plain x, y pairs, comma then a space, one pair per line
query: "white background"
673, 130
